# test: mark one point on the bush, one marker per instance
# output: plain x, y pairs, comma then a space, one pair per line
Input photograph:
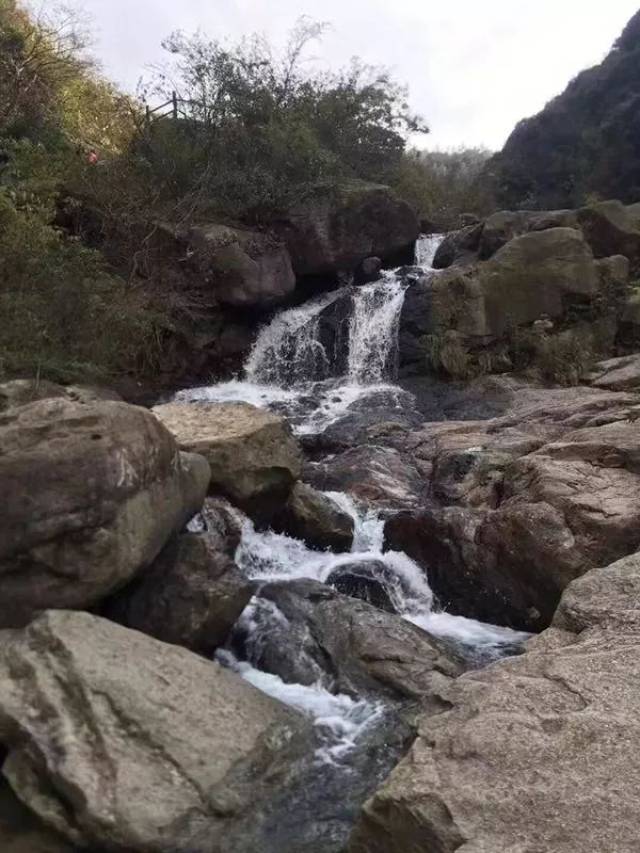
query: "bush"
63, 315
443, 185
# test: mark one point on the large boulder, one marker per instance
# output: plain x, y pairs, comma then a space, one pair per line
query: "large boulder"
503, 226
335, 227
534, 274
191, 596
315, 518
458, 247
349, 646
246, 269
537, 752
610, 229
378, 476
253, 456
93, 494
120, 742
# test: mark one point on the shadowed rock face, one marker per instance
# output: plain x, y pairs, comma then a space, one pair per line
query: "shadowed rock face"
96, 490
161, 748
191, 596
527, 755
337, 227
316, 519
254, 458
517, 507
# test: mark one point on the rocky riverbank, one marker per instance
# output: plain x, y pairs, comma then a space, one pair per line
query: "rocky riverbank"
225, 625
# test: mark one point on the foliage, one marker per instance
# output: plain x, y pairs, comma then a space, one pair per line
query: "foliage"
584, 144
444, 185
63, 315
257, 126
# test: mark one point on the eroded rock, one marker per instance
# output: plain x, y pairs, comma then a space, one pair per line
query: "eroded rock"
121, 742
526, 756
96, 490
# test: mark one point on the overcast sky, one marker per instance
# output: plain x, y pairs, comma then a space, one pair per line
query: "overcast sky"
473, 67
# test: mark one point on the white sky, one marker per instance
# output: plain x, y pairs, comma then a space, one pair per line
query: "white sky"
473, 67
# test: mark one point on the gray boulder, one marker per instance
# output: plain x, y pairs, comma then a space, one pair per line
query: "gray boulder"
316, 519
96, 491
120, 742
537, 752
191, 596
246, 269
253, 456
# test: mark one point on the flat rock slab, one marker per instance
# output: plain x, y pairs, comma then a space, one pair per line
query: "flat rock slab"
539, 753
119, 741
617, 374
254, 458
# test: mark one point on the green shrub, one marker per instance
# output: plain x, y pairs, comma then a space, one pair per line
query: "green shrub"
62, 314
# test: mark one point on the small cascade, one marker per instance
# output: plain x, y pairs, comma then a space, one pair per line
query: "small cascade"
314, 361
314, 364
289, 349
373, 331
426, 247
265, 556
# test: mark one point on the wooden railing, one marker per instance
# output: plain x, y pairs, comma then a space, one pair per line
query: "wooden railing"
170, 109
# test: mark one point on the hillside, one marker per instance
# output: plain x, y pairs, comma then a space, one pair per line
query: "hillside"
585, 142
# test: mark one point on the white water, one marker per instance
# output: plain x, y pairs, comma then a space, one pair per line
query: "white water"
340, 720
290, 370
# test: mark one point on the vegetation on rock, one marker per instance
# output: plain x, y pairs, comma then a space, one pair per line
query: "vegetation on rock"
585, 144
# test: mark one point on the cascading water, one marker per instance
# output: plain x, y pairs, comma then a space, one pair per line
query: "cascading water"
298, 366
313, 362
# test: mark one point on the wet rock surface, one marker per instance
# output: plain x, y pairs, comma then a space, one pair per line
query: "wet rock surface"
315, 634
316, 519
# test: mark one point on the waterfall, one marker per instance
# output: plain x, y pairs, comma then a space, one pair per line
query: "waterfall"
313, 363
373, 331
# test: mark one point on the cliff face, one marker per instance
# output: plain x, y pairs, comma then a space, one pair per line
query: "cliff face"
584, 142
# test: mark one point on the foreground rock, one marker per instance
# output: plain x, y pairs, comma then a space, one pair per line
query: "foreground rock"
311, 633
124, 743
191, 596
254, 458
96, 491
336, 227
527, 757
316, 519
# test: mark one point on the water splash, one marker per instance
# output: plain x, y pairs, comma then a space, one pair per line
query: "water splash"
426, 247
373, 331
339, 719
